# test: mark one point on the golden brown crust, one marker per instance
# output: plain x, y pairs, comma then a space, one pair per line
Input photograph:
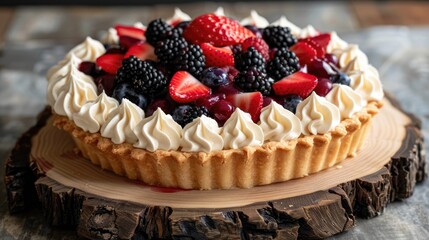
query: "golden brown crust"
243, 168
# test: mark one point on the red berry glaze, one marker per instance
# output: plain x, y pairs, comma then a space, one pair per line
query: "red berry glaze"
130, 31
304, 52
221, 111
110, 63
217, 56
248, 102
144, 51
219, 31
298, 83
210, 100
186, 88
322, 39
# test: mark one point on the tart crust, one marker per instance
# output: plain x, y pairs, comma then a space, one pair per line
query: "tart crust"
233, 168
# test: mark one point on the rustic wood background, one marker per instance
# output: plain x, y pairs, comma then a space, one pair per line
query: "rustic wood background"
32, 38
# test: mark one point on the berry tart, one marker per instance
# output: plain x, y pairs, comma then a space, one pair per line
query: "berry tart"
214, 103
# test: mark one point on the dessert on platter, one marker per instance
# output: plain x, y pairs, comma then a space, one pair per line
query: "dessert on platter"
215, 103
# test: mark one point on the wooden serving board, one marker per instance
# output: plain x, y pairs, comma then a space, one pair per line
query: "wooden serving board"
102, 205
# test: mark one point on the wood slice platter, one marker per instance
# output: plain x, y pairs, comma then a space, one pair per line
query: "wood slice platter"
102, 205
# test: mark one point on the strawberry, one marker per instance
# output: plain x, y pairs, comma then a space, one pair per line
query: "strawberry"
298, 83
322, 39
304, 52
259, 44
110, 63
144, 51
217, 57
219, 31
320, 52
127, 42
250, 102
186, 88
130, 31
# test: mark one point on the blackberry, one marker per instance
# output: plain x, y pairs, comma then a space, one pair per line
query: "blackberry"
184, 114
290, 102
278, 37
190, 59
283, 64
158, 30
167, 50
142, 75
182, 25
253, 80
250, 59
340, 78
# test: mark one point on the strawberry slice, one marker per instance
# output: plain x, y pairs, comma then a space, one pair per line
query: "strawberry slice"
110, 63
249, 102
304, 52
298, 83
219, 31
320, 52
259, 44
217, 57
186, 88
130, 31
144, 51
322, 39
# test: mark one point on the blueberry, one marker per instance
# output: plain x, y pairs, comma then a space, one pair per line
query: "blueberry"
255, 30
340, 78
214, 77
182, 25
184, 114
125, 90
291, 101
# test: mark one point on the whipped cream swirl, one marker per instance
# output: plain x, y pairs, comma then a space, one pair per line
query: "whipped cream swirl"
178, 16
88, 50
240, 131
367, 83
93, 114
308, 31
63, 67
346, 99
121, 121
76, 91
255, 19
349, 54
317, 115
219, 12
279, 124
202, 135
110, 37
139, 25
354, 65
158, 132
284, 22
336, 43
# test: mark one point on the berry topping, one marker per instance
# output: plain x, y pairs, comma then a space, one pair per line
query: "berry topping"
250, 59
105, 83
219, 31
217, 56
110, 63
255, 30
158, 103
340, 78
184, 114
320, 68
248, 102
182, 25
127, 42
143, 51
221, 111
290, 102
158, 30
259, 44
267, 101
322, 39
253, 80
126, 90
87, 67
320, 52
214, 77
228, 89
323, 87
130, 31
210, 100
298, 83
331, 58
142, 76
283, 64
167, 50
186, 88
190, 59
304, 52
278, 37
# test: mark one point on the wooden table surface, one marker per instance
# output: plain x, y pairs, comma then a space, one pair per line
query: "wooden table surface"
33, 38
